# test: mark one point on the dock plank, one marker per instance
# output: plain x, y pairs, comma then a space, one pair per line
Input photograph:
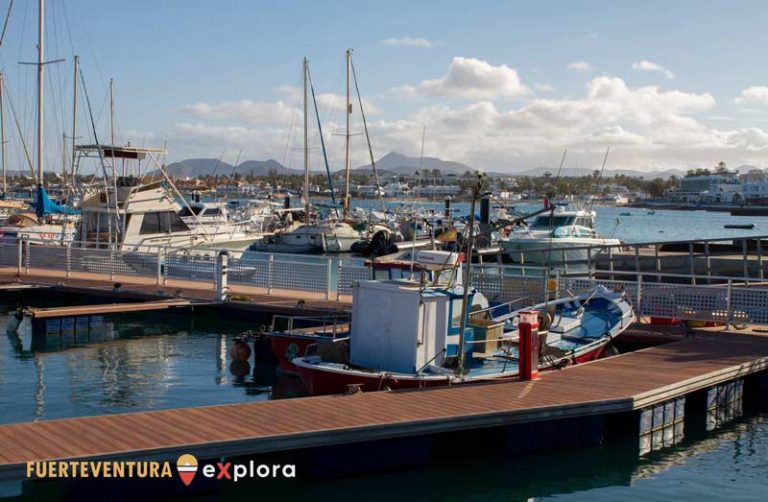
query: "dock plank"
622, 383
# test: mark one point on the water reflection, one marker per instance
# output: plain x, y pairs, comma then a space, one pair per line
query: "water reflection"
119, 364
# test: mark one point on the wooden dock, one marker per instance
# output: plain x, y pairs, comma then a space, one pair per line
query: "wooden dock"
620, 384
108, 308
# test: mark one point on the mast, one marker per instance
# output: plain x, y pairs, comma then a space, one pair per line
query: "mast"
40, 116
306, 145
465, 307
2, 133
346, 138
74, 120
112, 110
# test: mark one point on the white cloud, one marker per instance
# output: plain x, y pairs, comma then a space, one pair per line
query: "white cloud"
650, 66
580, 66
755, 95
647, 127
592, 35
252, 112
408, 41
543, 87
469, 78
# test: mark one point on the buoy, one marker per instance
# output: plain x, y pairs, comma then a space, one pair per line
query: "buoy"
240, 351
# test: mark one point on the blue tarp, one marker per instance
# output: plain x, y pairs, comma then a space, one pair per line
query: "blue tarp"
44, 205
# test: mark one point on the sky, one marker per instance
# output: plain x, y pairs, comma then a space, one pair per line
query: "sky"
500, 86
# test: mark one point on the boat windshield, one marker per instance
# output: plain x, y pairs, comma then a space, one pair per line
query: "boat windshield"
190, 211
546, 222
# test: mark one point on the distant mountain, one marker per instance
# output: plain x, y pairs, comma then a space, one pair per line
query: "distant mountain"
398, 163
609, 173
193, 168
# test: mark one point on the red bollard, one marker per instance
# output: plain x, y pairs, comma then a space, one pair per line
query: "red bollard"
528, 349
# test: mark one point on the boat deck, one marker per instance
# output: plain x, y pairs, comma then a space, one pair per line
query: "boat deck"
619, 384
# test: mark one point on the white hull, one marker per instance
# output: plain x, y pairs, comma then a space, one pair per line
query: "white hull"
542, 251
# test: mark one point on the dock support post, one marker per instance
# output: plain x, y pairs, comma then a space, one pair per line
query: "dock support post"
111, 264
760, 259
658, 262
270, 263
19, 255
528, 330
637, 259
329, 276
69, 259
729, 305
222, 260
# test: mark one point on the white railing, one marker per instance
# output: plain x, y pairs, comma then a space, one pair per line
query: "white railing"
653, 294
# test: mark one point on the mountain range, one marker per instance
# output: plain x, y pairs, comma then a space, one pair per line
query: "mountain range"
394, 163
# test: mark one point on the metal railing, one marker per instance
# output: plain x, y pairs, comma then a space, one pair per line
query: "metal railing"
705, 297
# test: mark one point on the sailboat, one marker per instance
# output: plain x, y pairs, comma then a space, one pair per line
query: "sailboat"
51, 223
326, 236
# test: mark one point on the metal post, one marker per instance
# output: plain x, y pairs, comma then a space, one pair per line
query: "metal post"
639, 296
657, 262
729, 305
26, 256
691, 264
328, 277
610, 261
19, 255
745, 255
637, 259
159, 266
760, 259
111, 264
222, 260
270, 264
707, 262
69, 259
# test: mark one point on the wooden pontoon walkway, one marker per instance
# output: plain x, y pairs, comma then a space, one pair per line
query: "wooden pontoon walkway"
617, 384
109, 308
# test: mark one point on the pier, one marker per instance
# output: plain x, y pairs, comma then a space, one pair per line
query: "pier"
620, 385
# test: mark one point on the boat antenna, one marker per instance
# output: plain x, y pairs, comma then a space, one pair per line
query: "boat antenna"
599, 177
322, 144
468, 273
367, 136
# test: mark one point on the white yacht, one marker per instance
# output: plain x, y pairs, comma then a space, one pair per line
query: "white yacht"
551, 238
214, 218
319, 237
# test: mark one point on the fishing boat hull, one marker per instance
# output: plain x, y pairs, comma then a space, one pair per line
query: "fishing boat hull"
288, 346
325, 379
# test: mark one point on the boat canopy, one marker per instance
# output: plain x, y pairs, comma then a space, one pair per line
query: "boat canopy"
119, 152
44, 205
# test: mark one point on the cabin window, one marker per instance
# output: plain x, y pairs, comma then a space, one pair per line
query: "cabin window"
546, 222
190, 211
584, 221
161, 222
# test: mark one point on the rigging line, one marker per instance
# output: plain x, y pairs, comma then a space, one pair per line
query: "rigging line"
367, 136
101, 160
21, 136
322, 144
5, 24
551, 240
599, 177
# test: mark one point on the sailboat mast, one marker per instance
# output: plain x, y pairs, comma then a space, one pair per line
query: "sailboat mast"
40, 66
2, 132
306, 145
346, 142
74, 119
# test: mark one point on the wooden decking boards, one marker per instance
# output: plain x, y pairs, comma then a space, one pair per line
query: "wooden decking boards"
622, 383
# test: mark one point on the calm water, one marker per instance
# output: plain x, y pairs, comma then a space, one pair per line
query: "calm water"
172, 362
664, 225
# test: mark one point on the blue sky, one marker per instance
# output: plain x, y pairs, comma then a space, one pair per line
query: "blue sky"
499, 85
